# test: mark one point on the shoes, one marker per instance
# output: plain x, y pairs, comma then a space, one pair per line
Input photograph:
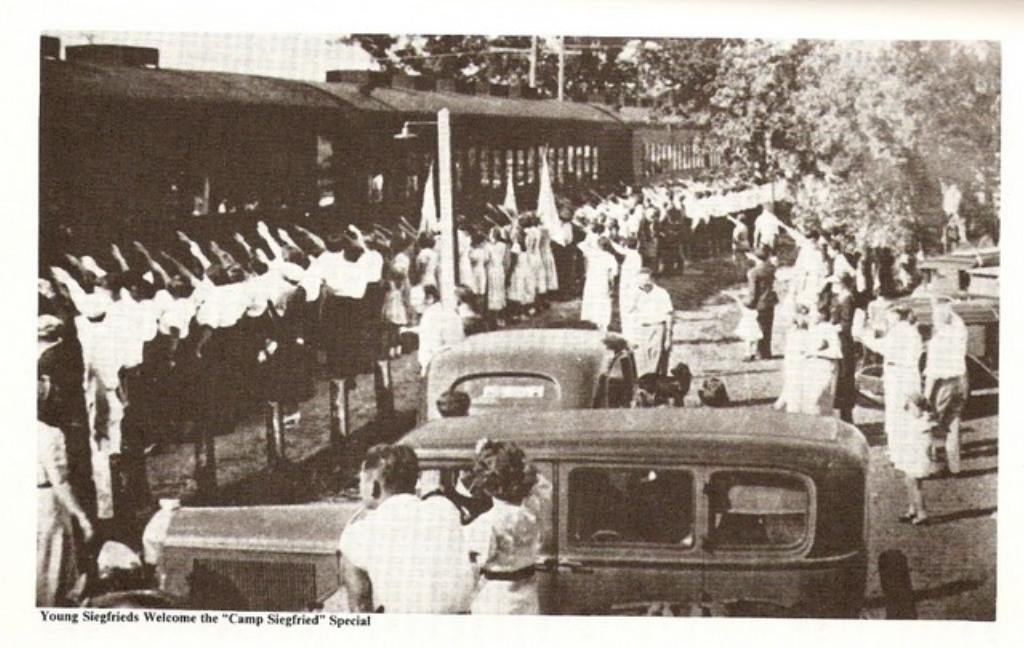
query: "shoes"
914, 518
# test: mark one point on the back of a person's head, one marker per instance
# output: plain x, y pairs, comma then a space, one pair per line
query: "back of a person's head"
397, 466
502, 471
453, 404
430, 291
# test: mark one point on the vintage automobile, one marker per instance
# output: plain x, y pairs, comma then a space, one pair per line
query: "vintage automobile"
660, 512
981, 316
533, 369
951, 274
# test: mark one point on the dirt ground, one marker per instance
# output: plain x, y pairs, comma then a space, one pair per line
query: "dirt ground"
952, 560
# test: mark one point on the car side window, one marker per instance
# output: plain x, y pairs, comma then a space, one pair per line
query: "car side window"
757, 509
632, 506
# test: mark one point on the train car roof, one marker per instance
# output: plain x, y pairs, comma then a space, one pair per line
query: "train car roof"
115, 83
409, 102
110, 82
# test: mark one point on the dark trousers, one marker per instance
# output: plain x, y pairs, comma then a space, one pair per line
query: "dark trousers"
765, 319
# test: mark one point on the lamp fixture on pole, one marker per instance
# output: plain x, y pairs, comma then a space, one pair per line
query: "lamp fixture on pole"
447, 220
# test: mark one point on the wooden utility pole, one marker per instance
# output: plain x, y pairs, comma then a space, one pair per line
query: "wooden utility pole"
533, 61
444, 177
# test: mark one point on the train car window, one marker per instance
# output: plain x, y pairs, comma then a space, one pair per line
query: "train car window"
375, 188
520, 166
459, 164
498, 169
611, 506
757, 509
531, 165
485, 167
597, 163
571, 161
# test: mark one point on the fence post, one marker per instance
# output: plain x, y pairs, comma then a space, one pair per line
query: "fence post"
384, 390
275, 434
339, 411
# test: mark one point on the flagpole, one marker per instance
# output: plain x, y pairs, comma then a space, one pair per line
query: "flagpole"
444, 175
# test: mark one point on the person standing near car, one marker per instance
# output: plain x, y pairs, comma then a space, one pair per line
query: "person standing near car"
400, 553
440, 327
761, 296
945, 376
650, 315
504, 541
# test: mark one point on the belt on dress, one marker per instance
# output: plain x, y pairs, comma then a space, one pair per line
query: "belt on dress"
517, 575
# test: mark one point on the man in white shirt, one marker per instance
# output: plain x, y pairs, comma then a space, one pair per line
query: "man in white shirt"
403, 554
651, 318
439, 327
766, 229
945, 376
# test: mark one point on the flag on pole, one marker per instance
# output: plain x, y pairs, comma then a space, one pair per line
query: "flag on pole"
547, 209
510, 195
429, 221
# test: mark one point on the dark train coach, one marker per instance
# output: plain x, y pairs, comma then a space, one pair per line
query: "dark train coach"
126, 145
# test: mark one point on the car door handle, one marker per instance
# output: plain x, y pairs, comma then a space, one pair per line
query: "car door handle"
547, 565
574, 566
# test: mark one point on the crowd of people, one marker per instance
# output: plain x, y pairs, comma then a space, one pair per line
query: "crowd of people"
843, 306
139, 348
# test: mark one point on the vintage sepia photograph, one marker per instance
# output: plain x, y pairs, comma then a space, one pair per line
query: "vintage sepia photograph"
339, 325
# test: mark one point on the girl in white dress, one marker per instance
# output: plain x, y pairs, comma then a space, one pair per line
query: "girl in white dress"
911, 450
477, 281
523, 287
821, 355
497, 251
901, 347
504, 541
792, 364
629, 280
548, 258
602, 267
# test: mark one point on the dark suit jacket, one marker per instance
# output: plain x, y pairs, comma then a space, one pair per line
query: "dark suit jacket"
761, 287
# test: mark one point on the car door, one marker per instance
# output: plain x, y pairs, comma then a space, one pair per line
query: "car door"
626, 539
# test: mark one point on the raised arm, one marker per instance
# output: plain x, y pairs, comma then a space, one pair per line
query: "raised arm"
154, 266
182, 269
268, 238
195, 250
315, 240
78, 296
122, 263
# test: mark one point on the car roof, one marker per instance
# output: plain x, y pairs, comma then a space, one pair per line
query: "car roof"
963, 259
974, 310
633, 433
573, 358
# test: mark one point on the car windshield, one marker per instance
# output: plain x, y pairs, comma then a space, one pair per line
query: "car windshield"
749, 509
609, 505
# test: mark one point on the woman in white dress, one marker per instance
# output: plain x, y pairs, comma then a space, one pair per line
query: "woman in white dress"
536, 262
629, 281
792, 364
523, 287
496, 251
820, 366
504, 541
597, 293
465, 263
901, 347
477, 281
548, 258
